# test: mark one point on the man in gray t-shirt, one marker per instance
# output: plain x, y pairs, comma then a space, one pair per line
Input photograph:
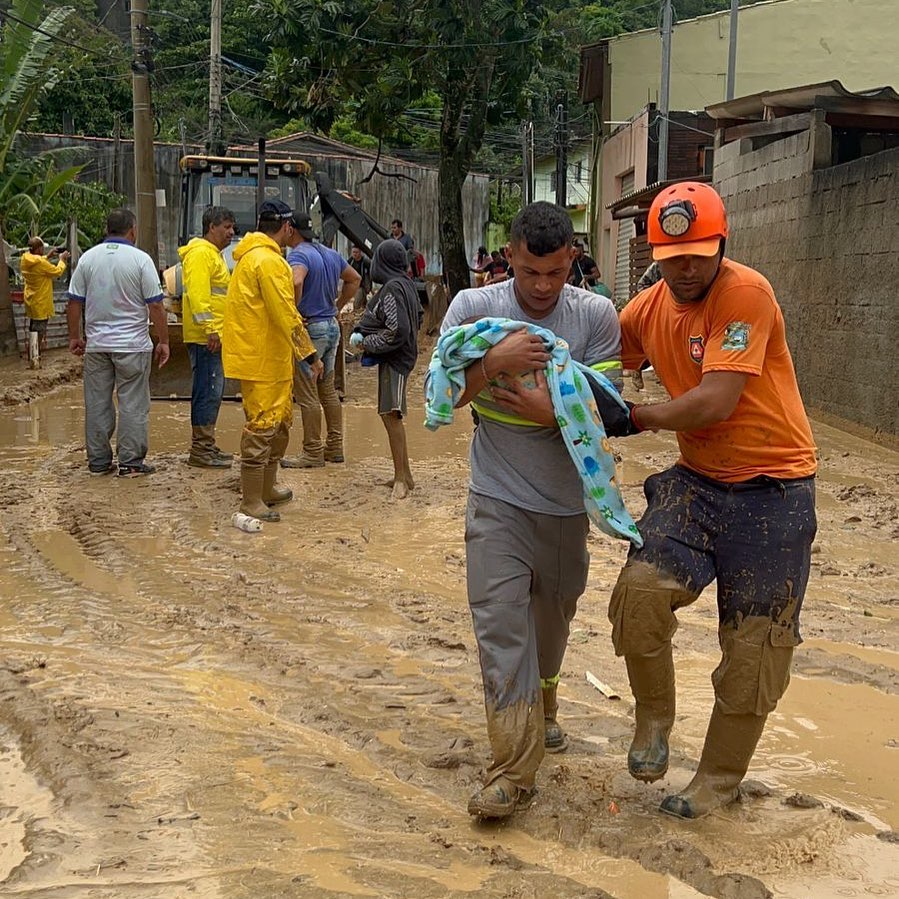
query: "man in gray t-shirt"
526, 528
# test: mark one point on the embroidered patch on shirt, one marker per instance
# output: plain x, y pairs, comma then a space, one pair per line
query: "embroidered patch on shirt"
697, 349
736, 336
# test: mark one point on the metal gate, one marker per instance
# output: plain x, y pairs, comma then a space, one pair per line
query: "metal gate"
623, 249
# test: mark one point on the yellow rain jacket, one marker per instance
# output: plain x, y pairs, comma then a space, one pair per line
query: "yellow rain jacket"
38, 273
263, 332
205, 278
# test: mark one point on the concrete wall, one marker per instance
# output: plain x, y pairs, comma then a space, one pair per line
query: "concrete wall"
781, 43
626, 150
828, 240
413, 201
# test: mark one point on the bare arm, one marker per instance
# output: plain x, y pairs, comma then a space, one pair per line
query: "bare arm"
299, 276
351, 281
73, 319
712, 401
160, 322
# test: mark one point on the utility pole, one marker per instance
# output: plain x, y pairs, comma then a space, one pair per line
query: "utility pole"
527, 161
664, 93
732, 51
144, 162
561, 141
215, 144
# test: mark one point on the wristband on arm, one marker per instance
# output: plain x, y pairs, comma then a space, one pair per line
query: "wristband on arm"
637, 428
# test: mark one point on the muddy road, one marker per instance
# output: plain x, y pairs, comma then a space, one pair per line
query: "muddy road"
187, 710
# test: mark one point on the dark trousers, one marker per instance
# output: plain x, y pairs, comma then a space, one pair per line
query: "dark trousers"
754, 538
208, 385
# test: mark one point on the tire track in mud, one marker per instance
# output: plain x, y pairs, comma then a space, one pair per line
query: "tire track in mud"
293, 701
415, 771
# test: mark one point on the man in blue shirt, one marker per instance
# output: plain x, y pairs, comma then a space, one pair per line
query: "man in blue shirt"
317, 273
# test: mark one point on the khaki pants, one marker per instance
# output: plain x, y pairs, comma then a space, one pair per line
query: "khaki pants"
526, 572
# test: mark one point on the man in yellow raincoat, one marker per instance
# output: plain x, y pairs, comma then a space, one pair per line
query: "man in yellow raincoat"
263, 335
39, 273
205, 277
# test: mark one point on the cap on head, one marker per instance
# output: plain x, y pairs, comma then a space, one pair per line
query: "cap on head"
302, 223
273, 211
686, 219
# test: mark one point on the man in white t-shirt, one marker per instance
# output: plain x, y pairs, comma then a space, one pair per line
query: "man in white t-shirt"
116, 288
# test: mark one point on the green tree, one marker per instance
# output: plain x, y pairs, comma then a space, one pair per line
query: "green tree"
26, 45
473, 55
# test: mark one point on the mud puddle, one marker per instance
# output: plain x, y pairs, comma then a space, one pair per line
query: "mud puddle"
193, 711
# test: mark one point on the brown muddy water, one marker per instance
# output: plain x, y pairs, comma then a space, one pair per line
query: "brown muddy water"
191, 711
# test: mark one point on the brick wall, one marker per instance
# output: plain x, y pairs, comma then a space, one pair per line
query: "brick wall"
828, 241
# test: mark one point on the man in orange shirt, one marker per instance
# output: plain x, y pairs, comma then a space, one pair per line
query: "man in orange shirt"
737, 508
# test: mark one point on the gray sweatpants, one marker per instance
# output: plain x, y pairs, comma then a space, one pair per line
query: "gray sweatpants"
128, 375
526, 572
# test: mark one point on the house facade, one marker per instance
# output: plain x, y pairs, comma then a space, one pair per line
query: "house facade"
781, 43
577, 187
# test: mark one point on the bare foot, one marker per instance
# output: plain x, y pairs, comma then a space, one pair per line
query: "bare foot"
400, 490
384, 482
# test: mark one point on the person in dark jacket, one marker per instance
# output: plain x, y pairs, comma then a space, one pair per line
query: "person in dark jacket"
388, 335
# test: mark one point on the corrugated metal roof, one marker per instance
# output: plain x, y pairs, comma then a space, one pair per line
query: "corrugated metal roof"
799, 99
635, 197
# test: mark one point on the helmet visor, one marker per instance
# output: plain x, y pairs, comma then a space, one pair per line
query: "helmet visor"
707, 247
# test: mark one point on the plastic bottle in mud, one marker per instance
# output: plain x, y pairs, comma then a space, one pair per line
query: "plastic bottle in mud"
246, 522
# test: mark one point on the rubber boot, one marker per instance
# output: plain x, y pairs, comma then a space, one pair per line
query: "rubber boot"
333, 419
255, 451
272, 494
313, 455
554, 738
729, 744
251, 485
652, 683
500, 799
202, 448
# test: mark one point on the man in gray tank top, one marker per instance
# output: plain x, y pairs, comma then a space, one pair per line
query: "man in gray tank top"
526, 528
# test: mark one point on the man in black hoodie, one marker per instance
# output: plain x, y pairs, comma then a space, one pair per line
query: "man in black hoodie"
388, 335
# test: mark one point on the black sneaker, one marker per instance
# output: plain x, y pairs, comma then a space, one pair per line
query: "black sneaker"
135, 471
99, 472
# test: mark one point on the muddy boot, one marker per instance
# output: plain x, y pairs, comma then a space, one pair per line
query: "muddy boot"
554, 739
202, 448
729, 744
333, 420
227, 457
303, 461
272, 494
499, 799
255, 450
251, 485
652, 683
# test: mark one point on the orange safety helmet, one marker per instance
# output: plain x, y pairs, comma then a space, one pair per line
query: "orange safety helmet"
686, 219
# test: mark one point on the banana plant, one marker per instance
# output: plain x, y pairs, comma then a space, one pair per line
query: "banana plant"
26, 70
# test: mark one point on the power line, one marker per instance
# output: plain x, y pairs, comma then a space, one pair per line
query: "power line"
465, 46
48, 34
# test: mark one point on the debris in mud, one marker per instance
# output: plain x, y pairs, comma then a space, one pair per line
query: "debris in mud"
442, 760
754, 789
602, 686
20, 666
846, 814
856, 491
803, 800
888, 836
177, 819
